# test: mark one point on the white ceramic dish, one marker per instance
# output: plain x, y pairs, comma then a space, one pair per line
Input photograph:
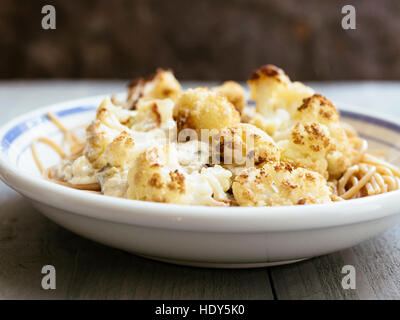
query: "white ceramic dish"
196, 235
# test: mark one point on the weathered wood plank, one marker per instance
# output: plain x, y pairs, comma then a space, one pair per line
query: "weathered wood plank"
87, 270
377, 266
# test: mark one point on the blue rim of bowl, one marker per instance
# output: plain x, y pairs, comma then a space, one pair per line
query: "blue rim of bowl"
16, 131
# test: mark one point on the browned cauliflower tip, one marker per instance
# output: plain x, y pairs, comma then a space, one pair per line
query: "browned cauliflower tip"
277, 98
317, 108
268, 70
161, 85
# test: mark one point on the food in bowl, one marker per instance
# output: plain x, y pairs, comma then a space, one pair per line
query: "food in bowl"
209, 146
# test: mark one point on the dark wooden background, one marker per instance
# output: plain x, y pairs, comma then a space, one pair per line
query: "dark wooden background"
209, 39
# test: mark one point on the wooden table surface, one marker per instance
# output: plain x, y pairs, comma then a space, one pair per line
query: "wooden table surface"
87, 270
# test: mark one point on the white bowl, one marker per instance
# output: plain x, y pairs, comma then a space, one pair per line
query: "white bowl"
195, 235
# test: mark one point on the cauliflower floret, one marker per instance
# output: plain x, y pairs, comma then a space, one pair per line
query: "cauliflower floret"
120, 151
204, 109
272, 89
318, 141
276, 97
244, 144
114, 163
152, 114
161, 85
234, 92
101, 132
113, 116
307, 147
278, 183
98, 136
317, 108
157, 176
340, 155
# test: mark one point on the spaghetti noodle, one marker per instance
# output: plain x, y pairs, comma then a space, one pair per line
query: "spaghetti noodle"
76, 148
369, 177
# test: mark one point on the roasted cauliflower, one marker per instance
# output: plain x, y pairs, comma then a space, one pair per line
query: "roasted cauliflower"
102, 131
318, 141
120, 151
277, 184
202, 108
244, 144
209, 147
235, 94
272, 89
157, 176
276, 97
161, 85
152, 114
